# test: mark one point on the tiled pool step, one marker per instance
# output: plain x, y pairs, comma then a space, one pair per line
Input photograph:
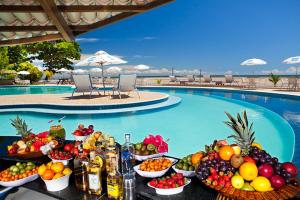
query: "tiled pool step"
170, 101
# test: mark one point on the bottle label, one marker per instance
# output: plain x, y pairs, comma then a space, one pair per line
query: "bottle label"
113, 191
94, 182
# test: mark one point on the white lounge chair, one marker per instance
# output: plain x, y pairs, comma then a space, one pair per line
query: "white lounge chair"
228, 79
83, 83
207, 79
126, 83
173, 79
190, 78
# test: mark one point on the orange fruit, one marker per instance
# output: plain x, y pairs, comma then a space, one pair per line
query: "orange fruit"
42, 169
196, 158
48, 174
226, 152
57, 167
58, 175
248, 171
67, 171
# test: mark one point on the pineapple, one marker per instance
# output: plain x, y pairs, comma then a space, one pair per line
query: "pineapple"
21, 127
243, 134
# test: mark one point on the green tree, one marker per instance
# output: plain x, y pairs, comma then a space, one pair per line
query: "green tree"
17, 54
48, 74
35, 74
55, 55
4, 60
274, 79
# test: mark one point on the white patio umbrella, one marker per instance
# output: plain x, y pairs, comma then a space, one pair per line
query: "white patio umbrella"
63, 70
101, 58
23, 73
95, 71
292, 61
253, 62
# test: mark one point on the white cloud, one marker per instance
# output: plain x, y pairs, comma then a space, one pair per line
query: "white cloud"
292, 70
142, 56
150, 38
229, 72
87, 39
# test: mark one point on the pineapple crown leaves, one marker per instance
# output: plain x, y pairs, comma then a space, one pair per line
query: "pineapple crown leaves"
244, 134
21, 126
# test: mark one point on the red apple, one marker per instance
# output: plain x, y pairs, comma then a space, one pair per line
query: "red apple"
277, 181
266, 170
291, 168
249, 159
78, 133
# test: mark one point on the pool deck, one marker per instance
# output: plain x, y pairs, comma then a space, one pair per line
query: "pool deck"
79, 99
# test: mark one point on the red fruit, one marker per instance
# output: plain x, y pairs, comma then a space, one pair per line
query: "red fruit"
210, 178
159, 185
213, 171
291, 168
222, 143
68, 147
179, 175
170, 181
277, 181
75, 151
153, 183
89, 131
27, 149
15, 146
43, 134
228, 184
180, 182
221, 182
80, 126
249, 159
226, 178
166, 187
173, 185
146, 141
214, 183
78, 133
215, 177
266, 170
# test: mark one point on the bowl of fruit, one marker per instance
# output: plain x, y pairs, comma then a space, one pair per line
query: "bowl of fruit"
82, 133
60, 156
55, 175
169, 185
151, 147
187, 165
245, 168
18, 174
154, 167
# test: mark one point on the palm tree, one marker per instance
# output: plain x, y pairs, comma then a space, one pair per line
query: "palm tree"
274, 79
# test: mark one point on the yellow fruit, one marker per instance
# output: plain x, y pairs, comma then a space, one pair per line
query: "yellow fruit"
58, 175
67, 171
254, 144
237, 181
49, 164
42, 169
57, 167
9, 147
248, 171
196, 158
32, 149
237, 149
261, 184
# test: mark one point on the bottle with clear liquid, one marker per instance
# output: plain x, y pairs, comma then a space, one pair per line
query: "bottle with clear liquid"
80, 170
114, 181
127, 156
94, 174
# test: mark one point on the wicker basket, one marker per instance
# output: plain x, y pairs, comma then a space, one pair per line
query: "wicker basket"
230, 193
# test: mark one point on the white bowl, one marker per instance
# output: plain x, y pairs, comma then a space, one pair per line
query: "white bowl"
81, 138
153, 174
184, 172
20, 181
142, 158
57, 184
65, 162
170, 191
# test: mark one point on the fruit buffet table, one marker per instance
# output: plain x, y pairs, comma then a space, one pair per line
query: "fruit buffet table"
195, 190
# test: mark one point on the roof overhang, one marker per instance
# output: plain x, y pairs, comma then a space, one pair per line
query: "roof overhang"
29, 21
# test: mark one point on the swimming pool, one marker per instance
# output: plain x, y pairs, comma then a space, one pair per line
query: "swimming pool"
18, 90
196, 121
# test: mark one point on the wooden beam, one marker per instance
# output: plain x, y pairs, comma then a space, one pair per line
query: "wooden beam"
77, 30
31, 40
27, 28
57, 19
76, 8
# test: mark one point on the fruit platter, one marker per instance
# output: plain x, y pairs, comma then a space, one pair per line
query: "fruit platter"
169, 185
18, 174
29, 145
55, 175
187, 165
150, 147
154, 167
245, 169
81, 133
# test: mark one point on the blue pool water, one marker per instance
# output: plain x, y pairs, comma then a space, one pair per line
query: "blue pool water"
196, 121
13, 90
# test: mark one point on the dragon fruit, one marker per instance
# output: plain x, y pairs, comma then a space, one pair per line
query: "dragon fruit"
37, 145
158, 142
163, 147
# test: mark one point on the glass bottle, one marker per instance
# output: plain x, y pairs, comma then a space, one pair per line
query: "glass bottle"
80, 170
111, 152
94, 174
100, 152
114, 181
127, 156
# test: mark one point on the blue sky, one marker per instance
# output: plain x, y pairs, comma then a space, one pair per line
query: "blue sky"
214, 35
